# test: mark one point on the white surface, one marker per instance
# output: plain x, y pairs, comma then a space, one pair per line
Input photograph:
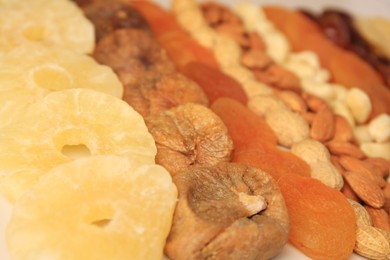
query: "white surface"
360, 7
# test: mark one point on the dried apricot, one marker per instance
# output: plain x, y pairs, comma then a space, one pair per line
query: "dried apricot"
255, 142
159, 20
190, 50
323, 224
246, 128
274, 161
213, 82
297, 27
172, 37
277, 14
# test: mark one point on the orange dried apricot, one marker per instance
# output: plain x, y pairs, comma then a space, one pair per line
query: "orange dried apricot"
173, 37
320, 45
213, 82
272, 160
246, 128
297, 27
276, 14
351, 71
159, 20
255, 142
322, 222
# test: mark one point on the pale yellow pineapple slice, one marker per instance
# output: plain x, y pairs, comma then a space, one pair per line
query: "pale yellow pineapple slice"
34, 142
103, 207
31, 71
49, 22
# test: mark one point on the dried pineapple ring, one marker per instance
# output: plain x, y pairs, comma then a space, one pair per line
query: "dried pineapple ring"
103, 207
49, 69
46, 69
34, 143
58, 22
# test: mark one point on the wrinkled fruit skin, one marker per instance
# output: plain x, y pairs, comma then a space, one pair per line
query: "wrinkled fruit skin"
151, 84
211, 222
188, 135
108, 16
134, 55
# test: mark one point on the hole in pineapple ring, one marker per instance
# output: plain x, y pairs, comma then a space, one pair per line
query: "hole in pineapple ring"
99, 215
75, 151
51, 77
101, 222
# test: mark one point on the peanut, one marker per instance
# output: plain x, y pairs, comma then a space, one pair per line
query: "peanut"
317, 157
288, 126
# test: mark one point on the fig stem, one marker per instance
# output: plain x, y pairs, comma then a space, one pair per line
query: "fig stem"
253, 203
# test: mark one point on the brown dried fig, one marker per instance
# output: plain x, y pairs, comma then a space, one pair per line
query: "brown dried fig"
227, 211
166, 92
108, 16
151, 83
187, 135
134, 55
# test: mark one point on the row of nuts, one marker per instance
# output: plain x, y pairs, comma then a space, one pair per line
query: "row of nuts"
371, 242
373, 137
320, 132
226, 50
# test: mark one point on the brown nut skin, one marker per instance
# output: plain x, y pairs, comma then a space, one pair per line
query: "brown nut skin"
187, 135
211, 221
108, 16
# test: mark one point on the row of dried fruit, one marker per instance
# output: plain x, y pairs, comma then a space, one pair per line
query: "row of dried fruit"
367, 175
224, 203
187, 61
369, 188
55, 100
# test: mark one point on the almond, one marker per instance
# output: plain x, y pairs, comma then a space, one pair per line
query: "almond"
322, 127
212, 14
335, 161
293, 101
309, 117
343, 130
366, 189
379, 217
314, 103
355, 165
381, 164
344, 148
386, 192
255, 42
234, 31
255, 59
349, 193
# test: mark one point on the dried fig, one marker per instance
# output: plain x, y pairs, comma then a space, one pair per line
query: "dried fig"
168, 91
227, 211
151, 83
134, 55
187, 135
108, 16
